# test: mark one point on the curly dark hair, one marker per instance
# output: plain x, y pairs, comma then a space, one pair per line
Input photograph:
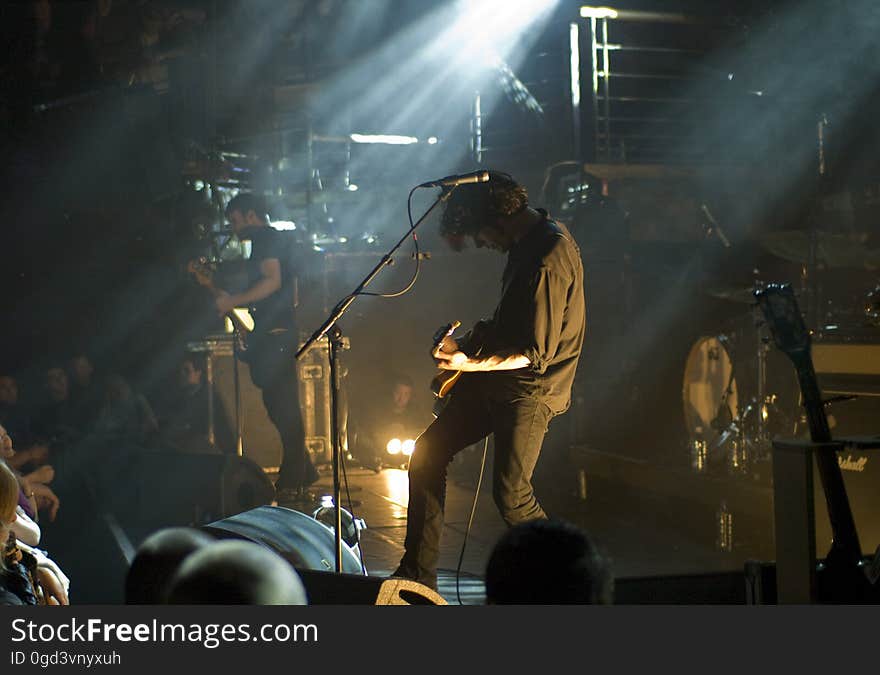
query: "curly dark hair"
247, 201
475, 205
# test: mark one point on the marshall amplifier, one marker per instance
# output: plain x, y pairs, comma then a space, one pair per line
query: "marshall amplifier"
861, 478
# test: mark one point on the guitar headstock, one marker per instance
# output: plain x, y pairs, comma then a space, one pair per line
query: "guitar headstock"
443, 333
783, 316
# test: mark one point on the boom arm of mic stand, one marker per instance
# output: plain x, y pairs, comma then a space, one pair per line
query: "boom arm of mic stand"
335, 341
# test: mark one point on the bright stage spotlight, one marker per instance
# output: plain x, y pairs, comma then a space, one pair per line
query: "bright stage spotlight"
423, 79
384, 139
394, 446
407, 447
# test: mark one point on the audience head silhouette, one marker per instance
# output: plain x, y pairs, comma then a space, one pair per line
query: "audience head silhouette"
156, 561
233, 572
548, 562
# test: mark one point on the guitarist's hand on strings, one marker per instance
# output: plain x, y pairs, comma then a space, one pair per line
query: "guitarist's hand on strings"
446, 353
450, 358
224, 302
447, 345
458, 360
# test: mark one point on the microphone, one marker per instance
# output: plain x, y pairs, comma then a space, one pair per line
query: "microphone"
716, 226
462, 179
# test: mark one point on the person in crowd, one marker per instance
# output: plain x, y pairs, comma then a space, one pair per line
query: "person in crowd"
85, 392
31, 453
58, 423
27, 575
125, 414
35, 495
271, 296
16, 581
394, 415
515, 371
236, 572
548, 562
157, 559
183, 416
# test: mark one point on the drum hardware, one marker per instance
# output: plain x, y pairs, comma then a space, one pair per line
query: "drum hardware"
821, 254
724, 528
730, 431
824, 249
872, 307
739, 294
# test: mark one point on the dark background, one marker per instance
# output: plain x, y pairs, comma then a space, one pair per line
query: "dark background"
112, 126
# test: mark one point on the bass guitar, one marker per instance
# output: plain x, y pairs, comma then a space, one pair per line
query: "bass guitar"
204, 276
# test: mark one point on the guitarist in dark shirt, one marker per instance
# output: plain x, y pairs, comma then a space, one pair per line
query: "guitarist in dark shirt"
518, 367
272, 344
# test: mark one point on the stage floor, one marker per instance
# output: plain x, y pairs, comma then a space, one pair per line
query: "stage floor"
644, 534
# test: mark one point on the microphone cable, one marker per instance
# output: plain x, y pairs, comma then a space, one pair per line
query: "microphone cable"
416, 255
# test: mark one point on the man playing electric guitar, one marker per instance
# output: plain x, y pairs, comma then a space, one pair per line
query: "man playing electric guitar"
519, 377
273, 342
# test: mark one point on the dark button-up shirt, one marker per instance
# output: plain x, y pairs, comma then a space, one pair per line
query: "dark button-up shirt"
541, 314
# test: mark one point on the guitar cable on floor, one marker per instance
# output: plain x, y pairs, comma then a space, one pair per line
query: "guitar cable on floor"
470, 522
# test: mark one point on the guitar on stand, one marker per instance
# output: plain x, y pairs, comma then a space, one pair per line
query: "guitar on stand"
845, 570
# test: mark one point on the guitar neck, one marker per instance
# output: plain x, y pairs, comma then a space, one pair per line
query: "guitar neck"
817, 420
780, 308
843, 525
237, 323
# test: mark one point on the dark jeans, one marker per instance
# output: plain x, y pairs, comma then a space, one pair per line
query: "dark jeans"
273, 370
474, 412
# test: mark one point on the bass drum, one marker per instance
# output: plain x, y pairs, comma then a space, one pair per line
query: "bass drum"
709, 390
728, 426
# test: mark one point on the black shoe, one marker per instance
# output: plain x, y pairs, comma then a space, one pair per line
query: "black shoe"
298, 499
312, 476
403, 572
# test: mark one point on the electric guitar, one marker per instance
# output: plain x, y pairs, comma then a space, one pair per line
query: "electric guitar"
790, 334
443, 382
204, 276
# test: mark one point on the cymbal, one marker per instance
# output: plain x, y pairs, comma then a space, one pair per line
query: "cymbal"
741, 294
831, 250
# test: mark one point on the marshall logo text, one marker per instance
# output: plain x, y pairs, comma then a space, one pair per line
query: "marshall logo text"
850, 464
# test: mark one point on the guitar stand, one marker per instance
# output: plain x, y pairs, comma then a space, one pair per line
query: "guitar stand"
239, 447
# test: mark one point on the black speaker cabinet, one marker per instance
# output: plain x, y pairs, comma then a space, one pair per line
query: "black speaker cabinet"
717, 588
181, 489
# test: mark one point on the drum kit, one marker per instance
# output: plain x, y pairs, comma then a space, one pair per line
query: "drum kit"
738, 391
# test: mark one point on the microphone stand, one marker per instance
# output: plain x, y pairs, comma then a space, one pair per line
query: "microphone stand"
334, 333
